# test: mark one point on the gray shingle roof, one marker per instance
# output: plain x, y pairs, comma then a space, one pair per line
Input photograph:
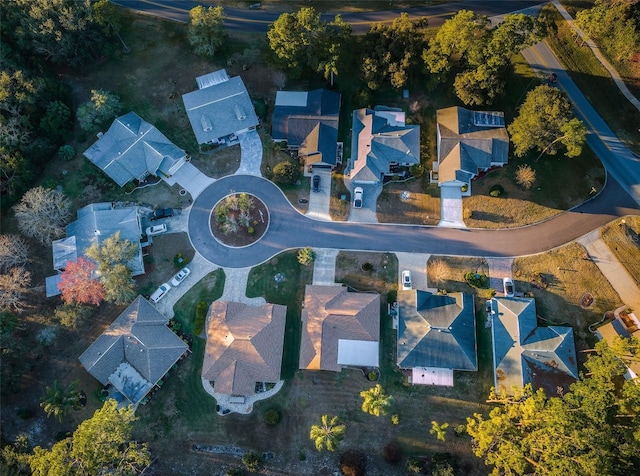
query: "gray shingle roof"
132, 149
244, 346
95, 223
330, 314
377, 142
220, 109
525, 353
140, 337
464, 144
436, 331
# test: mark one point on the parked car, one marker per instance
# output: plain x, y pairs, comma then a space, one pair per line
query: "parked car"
509, 289
316, 183
180, 276
156, 229
162, 213
160, 292
406, 280
357, 197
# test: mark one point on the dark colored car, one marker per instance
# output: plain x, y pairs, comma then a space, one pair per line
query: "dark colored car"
316, 183
162, 213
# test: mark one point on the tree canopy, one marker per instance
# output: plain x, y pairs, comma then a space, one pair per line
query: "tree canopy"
304, 43
206, 32
375, 401
545, 122
77, 283
328, 434
592, 429
113, 256
42, 214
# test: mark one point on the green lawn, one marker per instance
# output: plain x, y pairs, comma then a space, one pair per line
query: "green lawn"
290, 293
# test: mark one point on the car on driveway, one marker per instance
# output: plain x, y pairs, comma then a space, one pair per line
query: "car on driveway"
509, 289
160, 292
162, 213
156, 229
180, 276
406, 280
357, 197
316, 183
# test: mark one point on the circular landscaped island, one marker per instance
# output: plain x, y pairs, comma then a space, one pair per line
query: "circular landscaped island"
239, 219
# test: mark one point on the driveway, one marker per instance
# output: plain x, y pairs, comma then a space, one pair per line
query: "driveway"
370, 193
250, 154
324, 267
451, 207
319, 201
191, 179
417, 264
500, 268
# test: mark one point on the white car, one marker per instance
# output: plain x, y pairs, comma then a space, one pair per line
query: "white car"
406, 280
509, 289
180, 276
156, 229
357, 197
160, 292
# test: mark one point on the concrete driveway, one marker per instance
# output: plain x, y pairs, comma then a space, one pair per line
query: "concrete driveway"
451, 207
370, 193
417, 264
250, 154
191, 179
319, 201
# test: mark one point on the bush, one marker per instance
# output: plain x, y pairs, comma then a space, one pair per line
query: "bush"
496, 190
353, 463
467, 213
464, 188
272, 417
477, 280
415, 465
306, 256
180, 261
460, 430
285, 172
392, 453
251, 462
234, 472
201, 314
67, 152
417, 170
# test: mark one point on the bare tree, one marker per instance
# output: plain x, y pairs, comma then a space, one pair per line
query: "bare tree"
12, 287
42, 214
14, 251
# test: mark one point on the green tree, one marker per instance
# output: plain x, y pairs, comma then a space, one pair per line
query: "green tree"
113, 256
118, 284
56, 122
439, 430
15, 458
206, 31
58, 401
375, 401
306, 256
479, 86
545, 122
103, 106
328, 434
251, 462
592, 429
15, 173
285, 172
304, 43
100, 445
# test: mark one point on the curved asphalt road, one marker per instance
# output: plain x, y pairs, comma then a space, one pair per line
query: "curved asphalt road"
258, 21
290, 229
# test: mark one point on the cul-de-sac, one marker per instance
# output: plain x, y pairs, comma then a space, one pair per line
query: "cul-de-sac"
320, 237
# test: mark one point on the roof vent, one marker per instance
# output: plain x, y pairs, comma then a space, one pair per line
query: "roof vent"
206, 124
239, 112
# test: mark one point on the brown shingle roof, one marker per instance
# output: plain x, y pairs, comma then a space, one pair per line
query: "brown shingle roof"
331, 313
244, 346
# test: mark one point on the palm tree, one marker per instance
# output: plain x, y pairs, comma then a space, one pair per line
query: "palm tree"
328, 434
375, 401
58, 401
439, 430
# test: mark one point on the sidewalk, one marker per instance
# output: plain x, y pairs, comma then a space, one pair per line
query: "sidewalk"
612, 269
596, 51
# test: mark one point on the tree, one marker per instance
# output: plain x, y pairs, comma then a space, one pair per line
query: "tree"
251, 462
353, 463
285, 172
439, 430
56, 122
42, 214
14, 458
545, 122
14, 172
58, 400
306, 256
113, 256
525, 176
328, 434
14, 252
78, 285
103, 106
100, 445
394, 51
592, 429
69, 314
13, 285
206, 31
375, 401
118, 285
67, 152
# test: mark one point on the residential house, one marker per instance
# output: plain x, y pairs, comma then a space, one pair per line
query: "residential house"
220, 109
624, 325
96, 223
382, 144
244, 346
339, 328
469, 142
134, 353
133, 149
436, 335
308, 122
524, 353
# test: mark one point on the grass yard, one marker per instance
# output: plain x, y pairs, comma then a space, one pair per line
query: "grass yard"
339, 209
447, 272
568, 276
623, 238
561, 183
593, 80
421, 208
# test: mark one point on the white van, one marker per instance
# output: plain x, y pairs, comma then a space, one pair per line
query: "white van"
160, 292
